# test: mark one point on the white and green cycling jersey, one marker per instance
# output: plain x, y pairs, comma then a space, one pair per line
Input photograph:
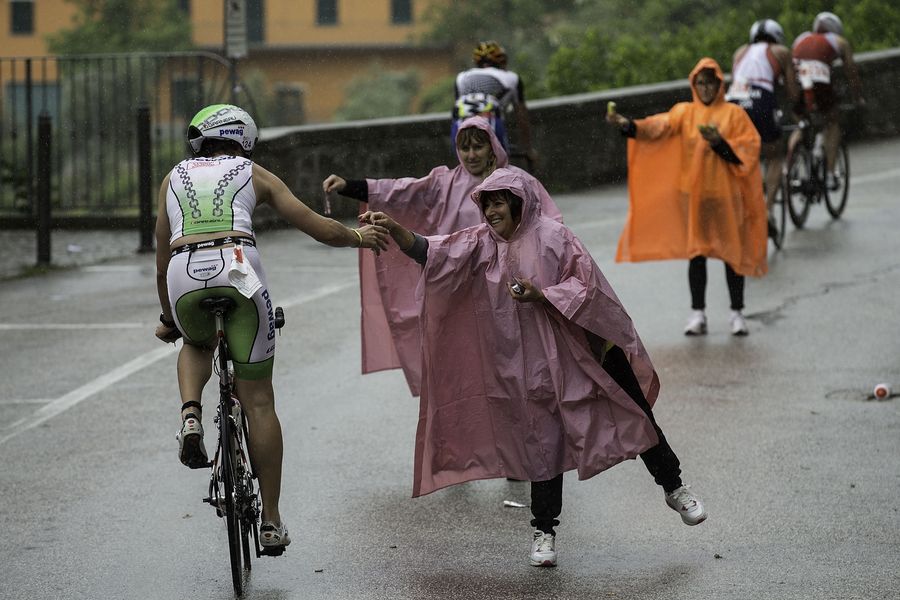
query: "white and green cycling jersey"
208, 195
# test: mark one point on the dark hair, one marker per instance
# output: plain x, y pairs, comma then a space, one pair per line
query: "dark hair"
469, 135
212, 147
514, 202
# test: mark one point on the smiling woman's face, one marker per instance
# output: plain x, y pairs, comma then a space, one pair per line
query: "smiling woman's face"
499, 214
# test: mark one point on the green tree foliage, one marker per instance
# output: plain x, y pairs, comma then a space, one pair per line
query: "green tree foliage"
588, 45
102, 26
379, 93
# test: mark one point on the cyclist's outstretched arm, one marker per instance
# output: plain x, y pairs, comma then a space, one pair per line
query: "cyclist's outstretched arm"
783, 56
271, 189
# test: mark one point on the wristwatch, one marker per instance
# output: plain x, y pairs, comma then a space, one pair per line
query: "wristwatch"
166, 322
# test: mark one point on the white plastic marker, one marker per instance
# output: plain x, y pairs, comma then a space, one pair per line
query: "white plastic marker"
882, 391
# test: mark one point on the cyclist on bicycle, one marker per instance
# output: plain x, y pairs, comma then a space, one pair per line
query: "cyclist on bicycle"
204, 226
756, 69
814, 55
501, 88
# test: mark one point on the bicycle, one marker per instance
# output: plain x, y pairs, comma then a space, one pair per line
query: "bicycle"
806, 177
777, 214
231, 489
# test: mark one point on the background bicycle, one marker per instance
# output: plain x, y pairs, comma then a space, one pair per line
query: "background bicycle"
806, 179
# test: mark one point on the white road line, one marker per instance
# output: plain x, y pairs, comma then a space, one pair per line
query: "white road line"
889, 174
73, 398
19, 326
12, 401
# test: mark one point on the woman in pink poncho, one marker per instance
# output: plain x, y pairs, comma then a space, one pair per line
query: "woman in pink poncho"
436, 204
530, 365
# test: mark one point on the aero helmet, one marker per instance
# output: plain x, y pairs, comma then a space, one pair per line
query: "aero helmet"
474, 104
826, 22
489, 53
223, 122
766, 30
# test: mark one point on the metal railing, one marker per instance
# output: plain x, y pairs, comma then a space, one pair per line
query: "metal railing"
93, 105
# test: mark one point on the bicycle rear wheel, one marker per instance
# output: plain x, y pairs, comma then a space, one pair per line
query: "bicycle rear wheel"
836, 196
799, 186
232, 518
778, 215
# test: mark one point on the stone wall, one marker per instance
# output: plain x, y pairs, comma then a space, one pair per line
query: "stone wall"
577, 149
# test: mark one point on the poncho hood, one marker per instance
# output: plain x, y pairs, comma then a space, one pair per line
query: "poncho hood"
500, 155
504, 179
708, 63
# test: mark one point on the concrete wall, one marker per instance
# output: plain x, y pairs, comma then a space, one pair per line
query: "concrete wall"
577, 148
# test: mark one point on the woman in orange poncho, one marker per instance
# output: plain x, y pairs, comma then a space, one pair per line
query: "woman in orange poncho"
695, 191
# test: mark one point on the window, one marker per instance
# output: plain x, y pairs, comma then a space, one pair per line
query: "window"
255, 21
44, 96
289, 104
326, 12
21, 17
401, 12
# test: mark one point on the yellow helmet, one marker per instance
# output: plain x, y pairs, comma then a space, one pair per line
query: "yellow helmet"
490, 54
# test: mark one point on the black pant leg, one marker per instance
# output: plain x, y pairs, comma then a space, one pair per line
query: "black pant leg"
660, 460
546, 503
735, 287
697, 282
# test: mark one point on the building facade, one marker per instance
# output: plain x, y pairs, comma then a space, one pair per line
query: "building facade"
303, 52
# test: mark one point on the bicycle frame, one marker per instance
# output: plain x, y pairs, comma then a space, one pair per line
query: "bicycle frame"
231, 490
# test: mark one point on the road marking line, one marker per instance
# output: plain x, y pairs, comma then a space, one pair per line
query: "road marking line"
874, 176
19, 326
25, 401
73, 398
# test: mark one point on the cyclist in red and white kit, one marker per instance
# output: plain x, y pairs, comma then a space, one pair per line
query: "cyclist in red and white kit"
814, 54
758, 67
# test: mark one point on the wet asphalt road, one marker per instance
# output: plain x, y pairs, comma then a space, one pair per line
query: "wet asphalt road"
800, 471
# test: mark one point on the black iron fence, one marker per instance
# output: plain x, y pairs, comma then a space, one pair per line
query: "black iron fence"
94, 105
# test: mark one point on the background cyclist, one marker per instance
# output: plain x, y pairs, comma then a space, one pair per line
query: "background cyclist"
757, 68
490, 76
814, 54
206, 205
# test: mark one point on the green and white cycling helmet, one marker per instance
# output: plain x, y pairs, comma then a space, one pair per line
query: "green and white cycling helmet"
223, 122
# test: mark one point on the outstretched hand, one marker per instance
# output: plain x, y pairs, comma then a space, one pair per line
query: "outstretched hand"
616, 119
374, 236
334, 183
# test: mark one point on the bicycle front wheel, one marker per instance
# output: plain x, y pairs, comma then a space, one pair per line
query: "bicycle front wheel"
799, 185
232, 518
836, 193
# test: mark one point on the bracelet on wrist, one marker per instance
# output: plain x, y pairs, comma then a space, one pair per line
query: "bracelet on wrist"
359, 235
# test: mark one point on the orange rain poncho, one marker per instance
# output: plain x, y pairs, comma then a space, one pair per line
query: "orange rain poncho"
684, 199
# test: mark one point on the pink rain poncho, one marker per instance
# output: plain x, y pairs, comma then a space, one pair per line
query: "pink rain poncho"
512, 389
436, 204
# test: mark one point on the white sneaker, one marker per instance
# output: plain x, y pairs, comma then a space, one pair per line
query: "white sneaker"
543, 549
687, 504
738, 323
272, 535
696, 324
191, 451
